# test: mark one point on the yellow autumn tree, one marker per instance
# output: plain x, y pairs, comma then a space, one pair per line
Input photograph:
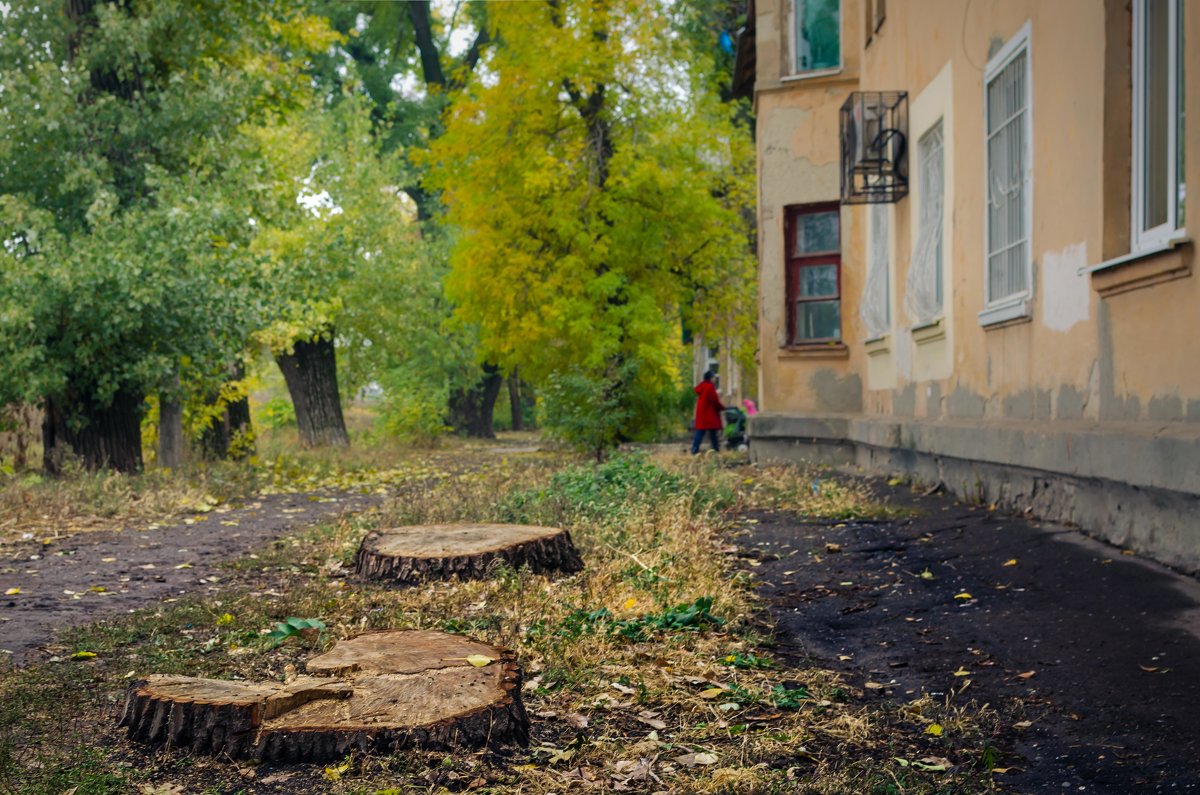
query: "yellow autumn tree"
595, 187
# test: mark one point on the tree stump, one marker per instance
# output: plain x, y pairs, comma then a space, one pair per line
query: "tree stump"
410, 555
377, 693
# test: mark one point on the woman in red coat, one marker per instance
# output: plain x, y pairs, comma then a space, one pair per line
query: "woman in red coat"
708, 413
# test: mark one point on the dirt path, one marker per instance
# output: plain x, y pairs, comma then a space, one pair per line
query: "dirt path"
1112, 641
100, 574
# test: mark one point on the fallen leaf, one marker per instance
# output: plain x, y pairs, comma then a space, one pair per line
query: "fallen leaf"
691, 760
831, 547
1153, 669
630, 603
962, 672
335, 773
184, 566
712, 692
108, 560
873, 686
479, 660
935, 729
651, 719
963, 595
83, 655
1026, 675
927, 575
1022, 724
575, 720
12, 592
1010, 562
934, 764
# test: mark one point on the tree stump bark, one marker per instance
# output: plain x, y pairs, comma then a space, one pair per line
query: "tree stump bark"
410, 555
377, 693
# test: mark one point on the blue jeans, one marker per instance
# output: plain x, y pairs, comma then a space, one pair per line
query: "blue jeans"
699, 437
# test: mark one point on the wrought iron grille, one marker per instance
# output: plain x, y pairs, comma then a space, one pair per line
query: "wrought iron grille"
874, 133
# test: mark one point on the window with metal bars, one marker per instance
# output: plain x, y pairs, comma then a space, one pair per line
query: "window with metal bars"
1009, 186
814, 273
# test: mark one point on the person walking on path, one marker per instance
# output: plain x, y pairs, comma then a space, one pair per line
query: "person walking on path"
708, 413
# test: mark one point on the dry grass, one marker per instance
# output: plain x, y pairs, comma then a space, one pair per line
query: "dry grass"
34, 507
671, 704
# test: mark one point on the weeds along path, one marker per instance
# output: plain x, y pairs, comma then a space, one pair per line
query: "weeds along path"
89, 576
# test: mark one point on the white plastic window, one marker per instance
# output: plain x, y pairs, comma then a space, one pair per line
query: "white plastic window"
1009, 188
1158, 187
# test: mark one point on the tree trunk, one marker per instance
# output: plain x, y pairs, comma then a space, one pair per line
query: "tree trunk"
416, 554
514, 399
232, 424
170, 431
110, 436
375, 694
471, 409
310, 371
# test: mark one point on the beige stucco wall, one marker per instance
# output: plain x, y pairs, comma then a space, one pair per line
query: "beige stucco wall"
1126, 355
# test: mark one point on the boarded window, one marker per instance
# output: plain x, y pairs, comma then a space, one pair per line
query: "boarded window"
923, 295
875, 309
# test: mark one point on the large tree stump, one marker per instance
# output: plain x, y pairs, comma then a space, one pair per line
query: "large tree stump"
377, 693
410, 555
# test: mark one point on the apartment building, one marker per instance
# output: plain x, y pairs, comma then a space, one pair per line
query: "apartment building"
977, 241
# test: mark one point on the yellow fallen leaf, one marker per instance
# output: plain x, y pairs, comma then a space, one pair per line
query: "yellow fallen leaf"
935, 729
1010, 562
1026, 675
184, 566
927, 575
335, 773
12, 592
712, 692
83, 655
1001, 770
108, 560
873, 686
962, 671
831, 547
479, 660
963, 595
629, 603
97, 589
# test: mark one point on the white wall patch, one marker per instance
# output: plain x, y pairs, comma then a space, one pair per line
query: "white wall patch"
1066, 293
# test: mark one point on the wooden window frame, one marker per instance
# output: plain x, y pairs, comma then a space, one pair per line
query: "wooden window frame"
793, 263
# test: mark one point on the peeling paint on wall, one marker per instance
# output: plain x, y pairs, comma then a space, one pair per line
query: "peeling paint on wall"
837, 394
1066, 294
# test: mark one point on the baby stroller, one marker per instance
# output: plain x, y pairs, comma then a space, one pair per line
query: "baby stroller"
735, 430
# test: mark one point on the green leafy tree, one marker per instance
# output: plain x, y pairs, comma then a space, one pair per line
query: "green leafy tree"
341, 243
597, 187
125, 258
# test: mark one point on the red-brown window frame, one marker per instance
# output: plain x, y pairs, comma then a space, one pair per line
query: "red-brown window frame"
794, 262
